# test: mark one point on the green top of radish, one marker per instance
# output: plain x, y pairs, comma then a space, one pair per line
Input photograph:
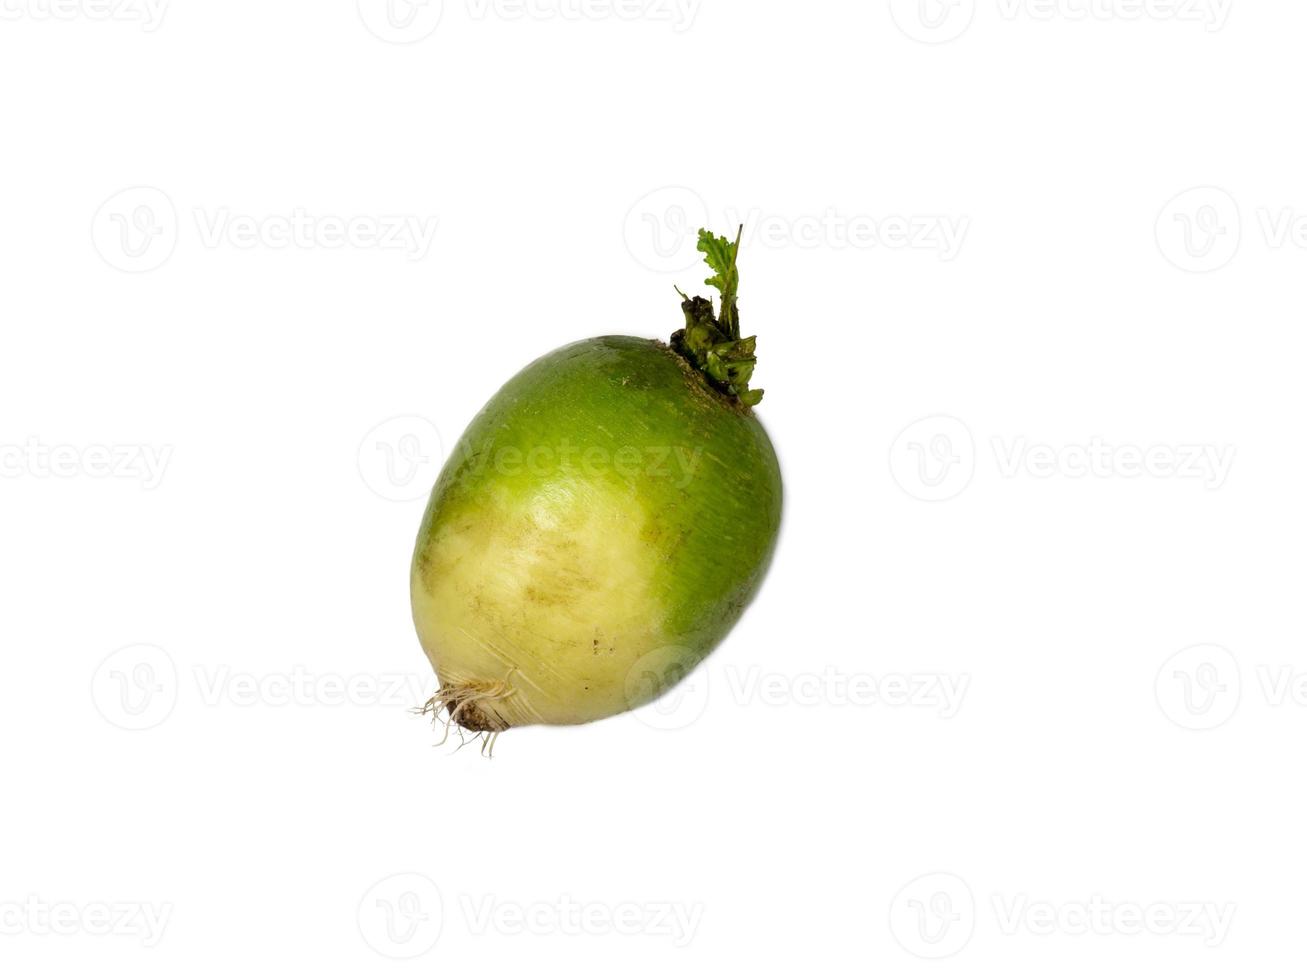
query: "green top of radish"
710, 342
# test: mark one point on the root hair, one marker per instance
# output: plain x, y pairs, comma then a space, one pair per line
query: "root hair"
470, 710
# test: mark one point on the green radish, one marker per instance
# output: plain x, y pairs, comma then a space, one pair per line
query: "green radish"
602, 525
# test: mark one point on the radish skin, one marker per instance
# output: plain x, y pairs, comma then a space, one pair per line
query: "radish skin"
601, 526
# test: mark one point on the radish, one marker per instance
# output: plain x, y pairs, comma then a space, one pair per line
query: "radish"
603, 524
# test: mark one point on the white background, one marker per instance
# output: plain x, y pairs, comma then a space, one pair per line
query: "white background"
208, 510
